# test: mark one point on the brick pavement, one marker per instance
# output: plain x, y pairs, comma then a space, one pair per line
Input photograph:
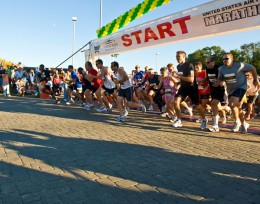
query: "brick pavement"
60, 154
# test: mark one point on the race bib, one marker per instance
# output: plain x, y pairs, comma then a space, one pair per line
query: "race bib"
230, 78
168, 91
212, 78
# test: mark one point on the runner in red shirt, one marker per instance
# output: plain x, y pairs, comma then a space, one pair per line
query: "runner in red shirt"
92, 85
203, 86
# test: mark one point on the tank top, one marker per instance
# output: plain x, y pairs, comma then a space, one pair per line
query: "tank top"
169, 86
108, 80
126, 84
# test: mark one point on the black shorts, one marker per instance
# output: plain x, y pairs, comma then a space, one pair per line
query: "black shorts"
251, 99
190, 91
218, 94
126, 93
108, 91
239, 93
202, 96
84, 88
91, 88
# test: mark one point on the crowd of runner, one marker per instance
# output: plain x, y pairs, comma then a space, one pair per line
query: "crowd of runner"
232, 88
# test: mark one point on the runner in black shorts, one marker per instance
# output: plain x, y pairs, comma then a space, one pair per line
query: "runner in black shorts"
188, 88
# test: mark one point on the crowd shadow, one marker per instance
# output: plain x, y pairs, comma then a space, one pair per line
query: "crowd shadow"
162, 176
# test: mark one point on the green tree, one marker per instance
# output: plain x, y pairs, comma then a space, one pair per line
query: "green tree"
201, 54
248, 53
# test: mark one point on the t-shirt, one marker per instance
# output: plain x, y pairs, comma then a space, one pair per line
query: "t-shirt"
19, 75
234, 76
200, 76
213, 76
138, 77
154, 80
74, 76
186, 69
44, 75
96, 82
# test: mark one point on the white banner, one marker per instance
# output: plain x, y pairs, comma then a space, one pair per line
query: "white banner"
214, 18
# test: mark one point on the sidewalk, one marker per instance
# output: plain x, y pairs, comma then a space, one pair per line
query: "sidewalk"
64, 154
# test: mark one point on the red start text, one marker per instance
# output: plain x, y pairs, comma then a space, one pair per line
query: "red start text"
149, 34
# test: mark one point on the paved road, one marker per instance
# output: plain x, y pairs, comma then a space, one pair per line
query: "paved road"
61, 154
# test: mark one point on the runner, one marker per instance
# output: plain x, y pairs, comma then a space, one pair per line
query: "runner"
74, 88
188, 88
233, 73
217, 93
92, 84
125, 92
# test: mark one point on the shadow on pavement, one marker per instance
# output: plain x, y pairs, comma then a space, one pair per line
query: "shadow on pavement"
155, 175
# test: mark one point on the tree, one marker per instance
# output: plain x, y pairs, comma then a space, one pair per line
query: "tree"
201, 55
248, 53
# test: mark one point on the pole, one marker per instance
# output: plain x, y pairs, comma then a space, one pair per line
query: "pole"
74, 19
156, 60
100, 12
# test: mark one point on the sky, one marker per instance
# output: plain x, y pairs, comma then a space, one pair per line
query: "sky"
38, 32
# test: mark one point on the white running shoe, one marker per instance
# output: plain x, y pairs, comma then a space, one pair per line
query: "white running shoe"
244, 128
125, 113
236, 126
163, 115
70, 102
177, 123
143, 108
214, 129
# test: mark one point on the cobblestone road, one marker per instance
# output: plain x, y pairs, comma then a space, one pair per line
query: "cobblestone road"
61, 154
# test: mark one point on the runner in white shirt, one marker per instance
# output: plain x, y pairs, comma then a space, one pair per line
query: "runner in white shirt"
125, 91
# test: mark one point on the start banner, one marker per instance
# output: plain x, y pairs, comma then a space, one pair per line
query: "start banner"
214, 18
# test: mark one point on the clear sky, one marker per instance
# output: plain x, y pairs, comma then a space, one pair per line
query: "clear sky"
41, 31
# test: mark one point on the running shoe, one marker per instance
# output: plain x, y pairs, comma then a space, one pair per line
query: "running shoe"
204, 123
120, 119
214, 129
82, 104
101, 109
70, 102
89, 106
244, 128
177, 123
109, 110
125, 113
236, 126
143, 108
150, 108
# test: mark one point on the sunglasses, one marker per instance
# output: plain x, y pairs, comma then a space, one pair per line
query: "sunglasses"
225, 59
208, 62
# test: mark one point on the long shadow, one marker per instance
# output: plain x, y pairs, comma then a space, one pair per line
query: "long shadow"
156, 175
155, 123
